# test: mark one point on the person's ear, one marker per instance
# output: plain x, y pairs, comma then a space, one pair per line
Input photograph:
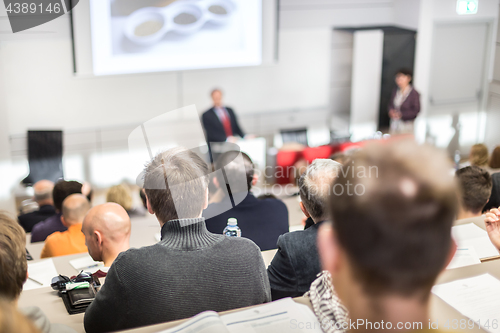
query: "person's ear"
304, 210
255, 179
148, 204
451, 253
63, 221
98, 238
329, 249
216, 182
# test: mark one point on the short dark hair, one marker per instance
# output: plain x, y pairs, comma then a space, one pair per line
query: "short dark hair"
235, 168
405, 71
13, 264
396, 231
475, 185
63, 189
175, 182
495, 158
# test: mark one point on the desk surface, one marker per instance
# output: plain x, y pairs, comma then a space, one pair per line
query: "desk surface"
144, 229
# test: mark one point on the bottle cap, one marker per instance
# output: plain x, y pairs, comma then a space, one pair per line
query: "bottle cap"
232, 221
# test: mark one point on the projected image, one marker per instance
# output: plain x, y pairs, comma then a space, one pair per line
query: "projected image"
130, 36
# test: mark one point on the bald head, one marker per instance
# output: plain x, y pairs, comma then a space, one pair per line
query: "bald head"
110, 219
43, 192
74, 209
107, 231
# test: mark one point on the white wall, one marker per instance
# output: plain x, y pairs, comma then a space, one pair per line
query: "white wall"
433, 12
406, 13
492, 134
366, 82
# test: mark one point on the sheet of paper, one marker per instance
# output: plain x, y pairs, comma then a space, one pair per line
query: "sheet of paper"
87, 264
40, 274
205, 322
466, 256
470, 235
281, 316
477, 298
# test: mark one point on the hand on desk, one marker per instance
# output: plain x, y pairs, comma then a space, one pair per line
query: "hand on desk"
492, 221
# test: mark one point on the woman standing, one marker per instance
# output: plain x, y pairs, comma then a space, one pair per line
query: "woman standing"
404, 104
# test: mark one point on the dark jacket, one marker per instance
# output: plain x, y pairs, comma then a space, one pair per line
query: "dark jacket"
45, 228
189, 271
494, 201
410, 107
213, 126
296, 264
262, 221
29, 220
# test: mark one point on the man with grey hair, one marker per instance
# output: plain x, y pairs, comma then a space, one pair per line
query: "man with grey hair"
296, 263
190, 270
43, 197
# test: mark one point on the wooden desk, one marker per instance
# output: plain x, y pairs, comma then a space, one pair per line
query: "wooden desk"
52, 305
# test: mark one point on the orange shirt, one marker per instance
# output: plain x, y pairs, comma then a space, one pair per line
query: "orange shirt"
63, 243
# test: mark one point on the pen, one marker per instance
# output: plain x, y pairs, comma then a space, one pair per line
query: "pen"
29, 277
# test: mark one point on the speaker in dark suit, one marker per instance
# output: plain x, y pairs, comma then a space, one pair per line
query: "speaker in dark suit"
220, 122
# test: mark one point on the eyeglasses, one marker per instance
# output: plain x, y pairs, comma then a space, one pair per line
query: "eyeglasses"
59, 282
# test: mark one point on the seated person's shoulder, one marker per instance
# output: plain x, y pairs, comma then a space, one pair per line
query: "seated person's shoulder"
240, 244
273, 202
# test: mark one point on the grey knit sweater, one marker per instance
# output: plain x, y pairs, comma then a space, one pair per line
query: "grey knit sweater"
189, 271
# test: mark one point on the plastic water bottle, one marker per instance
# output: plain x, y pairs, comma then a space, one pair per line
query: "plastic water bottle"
232, 229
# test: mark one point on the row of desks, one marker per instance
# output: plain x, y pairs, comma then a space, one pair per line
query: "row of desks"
52, 305
143, 230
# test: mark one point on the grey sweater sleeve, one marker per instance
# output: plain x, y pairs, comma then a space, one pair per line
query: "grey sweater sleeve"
110, 306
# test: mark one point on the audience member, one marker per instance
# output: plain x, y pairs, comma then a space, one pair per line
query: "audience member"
43, 197
495, 160
14, 272
262, 221
479, 155
492, 221
120, 194
71, 241
296, 263
494, 200
387, 244
107, 233
62, 189
190, 270
475, 189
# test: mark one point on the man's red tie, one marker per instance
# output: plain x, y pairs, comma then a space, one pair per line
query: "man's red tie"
226, 122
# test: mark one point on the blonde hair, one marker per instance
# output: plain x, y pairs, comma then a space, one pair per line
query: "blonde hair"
13, 264
121, 195
479, 155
